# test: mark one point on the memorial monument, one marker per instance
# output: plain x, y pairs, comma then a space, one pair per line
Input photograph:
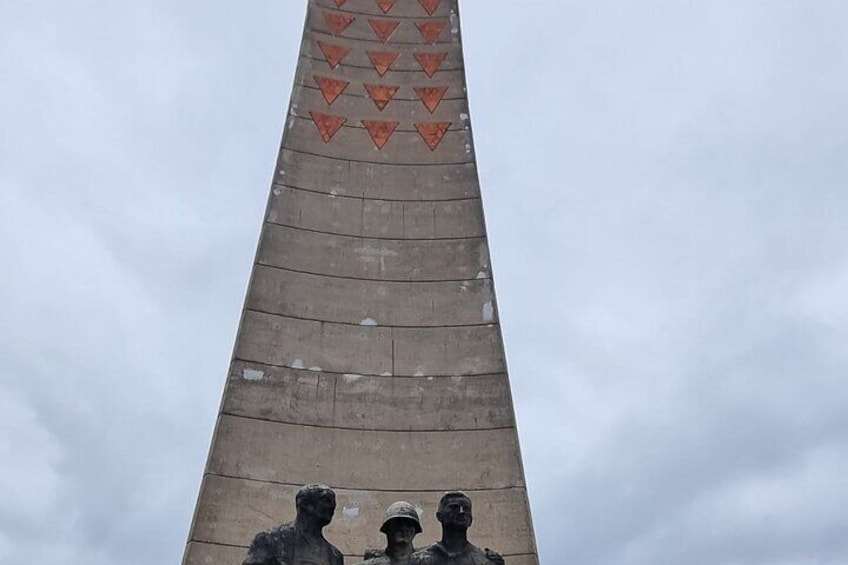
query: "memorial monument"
369, 356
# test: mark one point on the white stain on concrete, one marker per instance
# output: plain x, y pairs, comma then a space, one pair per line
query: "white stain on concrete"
350, 512
315, 369
253, 375
464, 117
298, 364
482, 275
386, 374
488, 311
368, 322
419, 372
351, 378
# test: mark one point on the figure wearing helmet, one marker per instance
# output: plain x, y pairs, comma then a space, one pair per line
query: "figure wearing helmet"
400, 525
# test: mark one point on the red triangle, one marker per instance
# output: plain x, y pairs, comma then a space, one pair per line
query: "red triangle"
327, 125
382, 60
432, 132
430, 5
334, 54
331, 88
384, 28
337, 22
386, 5
380, 131
340, 3
430, 62
431, 96
431, 30
381, 94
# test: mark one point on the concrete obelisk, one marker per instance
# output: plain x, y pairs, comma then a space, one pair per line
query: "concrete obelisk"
369, 356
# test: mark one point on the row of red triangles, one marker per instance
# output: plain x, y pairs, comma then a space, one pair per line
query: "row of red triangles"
430, 31
431, 132
383, 60
386, 5
380, 94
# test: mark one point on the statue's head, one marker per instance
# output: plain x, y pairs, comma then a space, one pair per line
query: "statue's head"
455, 510
401, 523
317, 502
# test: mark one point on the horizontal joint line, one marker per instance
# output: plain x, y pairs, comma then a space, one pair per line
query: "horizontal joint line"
367, 430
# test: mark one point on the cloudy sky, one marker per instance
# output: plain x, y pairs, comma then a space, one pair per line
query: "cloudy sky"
666, 188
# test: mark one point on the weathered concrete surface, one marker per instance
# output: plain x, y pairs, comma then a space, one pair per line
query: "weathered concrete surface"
262, 451
367, 218
369, 356
436, 304
370, 403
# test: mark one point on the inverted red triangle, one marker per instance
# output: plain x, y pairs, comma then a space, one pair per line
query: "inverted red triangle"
382, 60
380, 132
431, 30
384, 28
386, 5
337, 22
430, 5
334, 54
381, 94
430, 62
431, 96
340, 3
327, 125
331, 88
432, 132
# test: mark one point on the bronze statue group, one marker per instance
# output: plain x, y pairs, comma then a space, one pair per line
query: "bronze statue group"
302, 542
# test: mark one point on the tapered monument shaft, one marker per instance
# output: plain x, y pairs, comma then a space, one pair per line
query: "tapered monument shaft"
369, 356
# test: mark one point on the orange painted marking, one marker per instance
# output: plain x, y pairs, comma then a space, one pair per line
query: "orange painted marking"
431, 30
340, 3
331, 88
432, 132
431, 96
430, 62
334, 54
430, 5
337, 22
384, 28
381, 94
327, 125
380, 131
382, 60
386, 5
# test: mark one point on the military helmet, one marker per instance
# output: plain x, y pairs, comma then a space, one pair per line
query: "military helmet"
401, 510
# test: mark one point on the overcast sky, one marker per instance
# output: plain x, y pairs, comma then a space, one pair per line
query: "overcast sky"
666, 189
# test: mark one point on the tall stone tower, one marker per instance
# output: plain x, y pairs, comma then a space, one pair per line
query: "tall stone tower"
369, 356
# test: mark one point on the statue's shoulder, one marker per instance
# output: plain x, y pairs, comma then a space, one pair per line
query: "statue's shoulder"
267, 546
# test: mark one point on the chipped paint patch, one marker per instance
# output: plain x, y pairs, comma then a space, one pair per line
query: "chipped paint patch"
368, 322
298, 364
351, 378
350, 512
253, 375
488, 311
